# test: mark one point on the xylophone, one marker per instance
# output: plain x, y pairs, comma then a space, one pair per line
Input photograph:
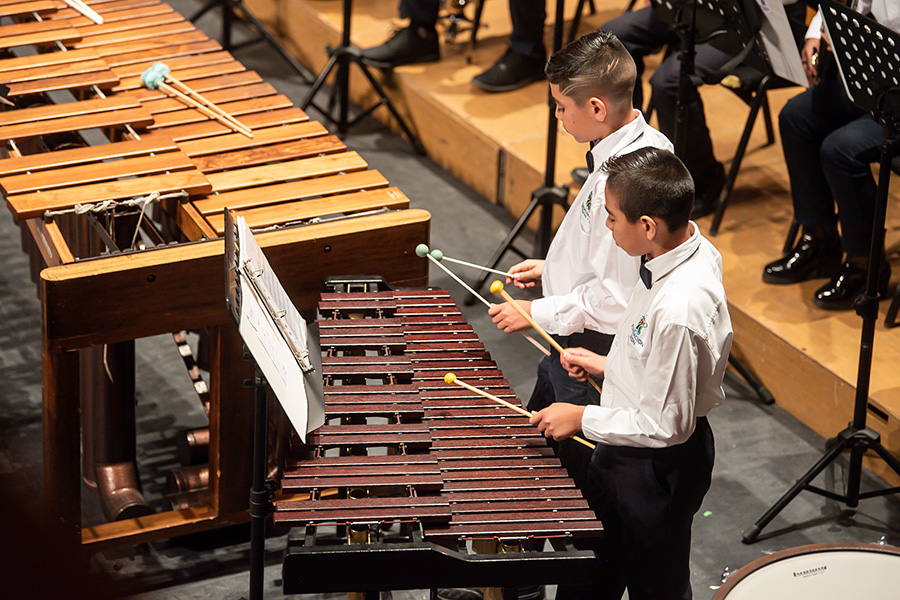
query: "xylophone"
439, 463
120, 192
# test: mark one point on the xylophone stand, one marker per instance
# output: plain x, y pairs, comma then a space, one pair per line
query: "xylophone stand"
228, 7
546, 196
880, 95
263, 488
342, 57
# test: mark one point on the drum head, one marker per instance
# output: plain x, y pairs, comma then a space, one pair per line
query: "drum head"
820, 571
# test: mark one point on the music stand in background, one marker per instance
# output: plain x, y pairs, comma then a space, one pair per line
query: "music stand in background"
228, 7
342, 57
288, 361
545, 197
868, 58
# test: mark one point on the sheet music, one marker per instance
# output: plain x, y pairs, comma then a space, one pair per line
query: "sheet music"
779, 44
299, 392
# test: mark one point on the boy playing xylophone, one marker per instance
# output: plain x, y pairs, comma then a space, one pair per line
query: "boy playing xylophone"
585, 279
653, 462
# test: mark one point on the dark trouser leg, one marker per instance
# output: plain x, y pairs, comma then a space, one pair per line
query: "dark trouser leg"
527, 37
846, 155
698, 151
804, 122
646, 500
420, 12
642, 33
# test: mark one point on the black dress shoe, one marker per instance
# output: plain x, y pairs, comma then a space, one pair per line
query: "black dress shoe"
413, 44
841, 292
510, 72
812, 257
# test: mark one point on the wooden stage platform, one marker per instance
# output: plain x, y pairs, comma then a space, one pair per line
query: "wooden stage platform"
496, 143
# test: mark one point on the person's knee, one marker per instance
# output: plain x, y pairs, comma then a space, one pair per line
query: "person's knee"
836, 156
664, 80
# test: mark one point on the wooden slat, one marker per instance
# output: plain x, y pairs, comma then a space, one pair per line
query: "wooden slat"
165, 43
176, 63
187, 74
26, 206
232, 94
88, 29
8, 66
69, 109
203, 85
136, 117
92, 173
192, 223
159, 53
55, 69
296, 190
26, 8
303, 148
286, 171
39, 38
113, 14
237, 141
190, 114
127, 35
391, 198
104, 80
75, 156
205, 129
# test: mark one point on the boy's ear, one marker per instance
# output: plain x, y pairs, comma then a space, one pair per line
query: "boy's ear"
599, 107
650, 227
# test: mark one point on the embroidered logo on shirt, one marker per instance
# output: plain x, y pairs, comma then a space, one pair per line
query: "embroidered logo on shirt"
586, 207
636, 330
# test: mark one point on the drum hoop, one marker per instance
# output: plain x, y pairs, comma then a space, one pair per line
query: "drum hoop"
769, 559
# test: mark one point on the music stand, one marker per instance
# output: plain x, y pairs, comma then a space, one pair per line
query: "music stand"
545, 197
342, 57
868, 59
228, 7
287, 360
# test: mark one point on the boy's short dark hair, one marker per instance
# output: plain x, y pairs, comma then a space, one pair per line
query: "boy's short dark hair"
595, 64
652, 182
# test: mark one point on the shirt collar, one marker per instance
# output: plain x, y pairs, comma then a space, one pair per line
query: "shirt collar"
618, 139
656, 268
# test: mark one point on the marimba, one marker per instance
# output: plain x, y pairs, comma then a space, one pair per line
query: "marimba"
121, 190
441, 464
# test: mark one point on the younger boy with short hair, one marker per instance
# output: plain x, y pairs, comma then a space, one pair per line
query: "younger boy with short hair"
654, 457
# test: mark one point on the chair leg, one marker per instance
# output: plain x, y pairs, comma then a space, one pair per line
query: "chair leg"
758, 100
576, 21
630, 6
767, 116
890, 319
476, 24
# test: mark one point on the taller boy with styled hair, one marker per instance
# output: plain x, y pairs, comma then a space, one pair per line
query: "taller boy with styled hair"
585, 278
653, 462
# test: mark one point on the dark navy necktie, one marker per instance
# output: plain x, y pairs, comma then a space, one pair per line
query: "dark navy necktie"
646, 275
590, 162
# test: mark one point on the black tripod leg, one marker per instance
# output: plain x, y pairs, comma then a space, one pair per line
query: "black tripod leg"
751, 533
417, 145
764, 395
505, 246
275, 44
317, 85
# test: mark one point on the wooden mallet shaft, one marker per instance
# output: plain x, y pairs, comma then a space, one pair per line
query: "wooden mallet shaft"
204, 109
451, 378
209, 104
497, 288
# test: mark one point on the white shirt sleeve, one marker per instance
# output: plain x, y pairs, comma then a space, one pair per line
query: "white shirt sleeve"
663, 412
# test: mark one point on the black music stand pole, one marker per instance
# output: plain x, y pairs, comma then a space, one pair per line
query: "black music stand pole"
874, 91
546, 196
228, 8
261, 492
342, 57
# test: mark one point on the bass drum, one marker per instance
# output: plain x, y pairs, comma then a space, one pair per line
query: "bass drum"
820, 572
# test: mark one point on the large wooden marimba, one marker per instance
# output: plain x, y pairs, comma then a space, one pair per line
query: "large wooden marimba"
408, 468
120, 191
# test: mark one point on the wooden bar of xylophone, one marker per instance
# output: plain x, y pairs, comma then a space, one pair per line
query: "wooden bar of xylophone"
401, 449
120, 192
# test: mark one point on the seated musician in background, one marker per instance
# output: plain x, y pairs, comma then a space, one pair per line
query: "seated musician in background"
829, 143
522, 63
585, 278
644, 33
654, 457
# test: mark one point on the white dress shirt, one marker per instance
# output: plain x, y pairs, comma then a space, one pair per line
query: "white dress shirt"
587, 279
668, 358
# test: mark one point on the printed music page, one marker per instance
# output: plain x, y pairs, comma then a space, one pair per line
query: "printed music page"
779, 43
300, 392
